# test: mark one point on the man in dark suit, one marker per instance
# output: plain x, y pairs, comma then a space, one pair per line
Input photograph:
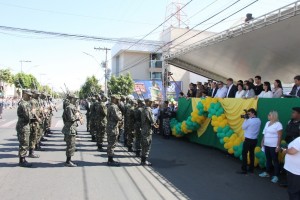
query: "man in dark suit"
231, 88
296, 89
213, 90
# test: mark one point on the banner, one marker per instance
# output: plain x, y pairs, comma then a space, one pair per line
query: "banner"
154, 90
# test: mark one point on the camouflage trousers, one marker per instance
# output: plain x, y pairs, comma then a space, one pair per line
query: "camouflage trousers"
146, 141
23, 133
88, 123
71, 146
34, 131
100, 134
40, 132
47, 122
92, 127
138, 136
130, 136
112, 138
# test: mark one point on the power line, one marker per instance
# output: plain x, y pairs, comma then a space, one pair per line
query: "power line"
161, 24
216, 23
142, 60
137, 61
75, 36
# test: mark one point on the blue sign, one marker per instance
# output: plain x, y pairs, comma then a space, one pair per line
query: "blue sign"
155, 91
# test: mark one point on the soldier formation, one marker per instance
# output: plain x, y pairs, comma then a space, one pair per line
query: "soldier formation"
121, 116
34, 112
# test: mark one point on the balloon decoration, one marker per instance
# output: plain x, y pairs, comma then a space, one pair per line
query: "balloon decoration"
212, 108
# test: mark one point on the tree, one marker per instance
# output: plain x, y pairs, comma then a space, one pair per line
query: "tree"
122, 85
90, 86
6, 76
26, 81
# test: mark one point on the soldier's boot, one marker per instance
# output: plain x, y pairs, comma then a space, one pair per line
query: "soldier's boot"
111, 162
93, 138
125, 143
130, 149
100, 148
38, 148
24, 163
32, 154
69, 163
144, 162
138, 153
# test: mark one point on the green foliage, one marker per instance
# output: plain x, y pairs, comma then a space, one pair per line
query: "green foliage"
122, 85
90, 86
26, 81
6, 76
45, 88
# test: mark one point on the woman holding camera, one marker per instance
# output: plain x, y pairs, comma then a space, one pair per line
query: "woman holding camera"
271, 145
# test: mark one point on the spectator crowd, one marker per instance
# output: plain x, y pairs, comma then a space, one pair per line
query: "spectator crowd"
251, 88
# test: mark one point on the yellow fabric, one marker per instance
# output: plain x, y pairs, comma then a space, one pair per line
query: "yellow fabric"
203, 126
234, 108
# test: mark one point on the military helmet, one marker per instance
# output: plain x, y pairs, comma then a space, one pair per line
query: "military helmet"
35, 92
148, 100
115, 97
72, 96
25, 91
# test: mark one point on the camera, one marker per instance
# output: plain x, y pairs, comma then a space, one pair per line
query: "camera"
245, 116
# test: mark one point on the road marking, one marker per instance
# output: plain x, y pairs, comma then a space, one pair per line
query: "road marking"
2, 120
59, 123
8, 123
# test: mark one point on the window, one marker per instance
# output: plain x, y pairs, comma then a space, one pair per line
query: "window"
156, 60
155, 75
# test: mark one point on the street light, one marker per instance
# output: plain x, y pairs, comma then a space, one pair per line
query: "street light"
22, 61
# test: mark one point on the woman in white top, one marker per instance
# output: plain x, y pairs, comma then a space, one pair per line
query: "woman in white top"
240, 93
266, 93
277, 90
292, 166
271, 145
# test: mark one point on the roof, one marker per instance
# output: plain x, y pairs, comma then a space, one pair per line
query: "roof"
268, 46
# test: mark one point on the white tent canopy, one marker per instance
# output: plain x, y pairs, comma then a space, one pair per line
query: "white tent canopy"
269, 46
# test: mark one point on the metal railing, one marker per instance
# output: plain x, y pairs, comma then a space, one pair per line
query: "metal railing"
275, 16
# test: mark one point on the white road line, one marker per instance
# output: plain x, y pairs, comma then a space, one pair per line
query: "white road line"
59, 123
8, 123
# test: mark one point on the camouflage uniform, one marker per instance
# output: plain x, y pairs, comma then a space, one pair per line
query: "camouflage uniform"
87, 114
126, 107
100, 122
114, 116
34, 127
130, 126
147, 123
138, 127
23, 126
70, 128
92, 119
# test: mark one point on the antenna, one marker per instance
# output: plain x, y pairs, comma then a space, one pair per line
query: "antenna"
180, 20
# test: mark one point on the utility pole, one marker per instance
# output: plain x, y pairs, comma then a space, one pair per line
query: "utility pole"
105, 65
21, 61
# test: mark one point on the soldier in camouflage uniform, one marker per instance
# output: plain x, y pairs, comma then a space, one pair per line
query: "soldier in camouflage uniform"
92, 119
24, 113
130, 124
121, 124
114, 117
138, 126
87, 114
40, 136
34, 124
70, 118
127, 105
100, 121
147, 125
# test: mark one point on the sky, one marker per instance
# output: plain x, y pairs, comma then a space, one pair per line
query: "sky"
55, 61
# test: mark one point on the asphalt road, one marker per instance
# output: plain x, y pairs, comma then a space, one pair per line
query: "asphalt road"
181, 170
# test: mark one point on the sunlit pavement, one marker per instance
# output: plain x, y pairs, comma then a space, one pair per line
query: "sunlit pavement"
181, 170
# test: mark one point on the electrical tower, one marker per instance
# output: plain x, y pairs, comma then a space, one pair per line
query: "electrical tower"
180, 19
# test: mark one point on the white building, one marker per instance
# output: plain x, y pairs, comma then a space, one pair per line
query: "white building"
144, 60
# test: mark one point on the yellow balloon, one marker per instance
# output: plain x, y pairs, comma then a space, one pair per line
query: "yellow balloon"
231, 151
257, 149
215, 129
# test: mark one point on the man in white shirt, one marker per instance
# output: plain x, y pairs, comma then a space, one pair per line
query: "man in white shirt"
222, 91
251, 127
292, 165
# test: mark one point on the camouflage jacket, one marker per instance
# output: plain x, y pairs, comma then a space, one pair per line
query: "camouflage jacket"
70, 119
130, 117
24, 114
114, 116
147, 118
36, 105
92, 111
100, 113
